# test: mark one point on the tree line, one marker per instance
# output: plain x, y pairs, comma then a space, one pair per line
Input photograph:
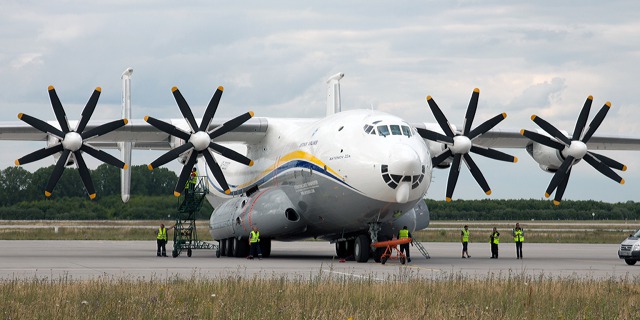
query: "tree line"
22, 195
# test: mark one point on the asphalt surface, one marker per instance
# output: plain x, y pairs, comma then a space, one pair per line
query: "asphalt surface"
79, 260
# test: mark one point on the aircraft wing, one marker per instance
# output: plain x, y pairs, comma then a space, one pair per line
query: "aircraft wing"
143, 135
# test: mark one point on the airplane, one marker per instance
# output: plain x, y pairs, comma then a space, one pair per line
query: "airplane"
352, 178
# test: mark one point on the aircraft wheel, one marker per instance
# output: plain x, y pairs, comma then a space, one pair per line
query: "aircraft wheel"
240, 247
222, 244
341, 249
188, 252
265, 247
630, 261
229, 248
174, 253
362, 248
218, 253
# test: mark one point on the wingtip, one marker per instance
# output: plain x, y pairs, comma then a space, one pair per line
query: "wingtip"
228, 191
176, 193
47, 194
92, 196
556, 202
150, 167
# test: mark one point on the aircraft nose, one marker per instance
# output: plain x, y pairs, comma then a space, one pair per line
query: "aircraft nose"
403, 172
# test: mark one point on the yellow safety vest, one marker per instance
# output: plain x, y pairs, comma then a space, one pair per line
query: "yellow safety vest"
255, 237
402, 234
519, 235
465, 235
162, 234
496, 238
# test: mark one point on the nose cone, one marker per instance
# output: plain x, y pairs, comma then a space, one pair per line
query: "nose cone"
404, 161
403, 173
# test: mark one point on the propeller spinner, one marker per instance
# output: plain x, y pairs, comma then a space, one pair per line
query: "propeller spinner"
72, 142
199, 141
575, 149
459, 145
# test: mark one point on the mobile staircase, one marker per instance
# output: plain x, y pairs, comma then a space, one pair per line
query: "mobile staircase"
185, 236
422, 249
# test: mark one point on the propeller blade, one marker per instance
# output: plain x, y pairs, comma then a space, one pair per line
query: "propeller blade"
454, 172
442, 120
582, 119
559, 175
235, 156
534, 136
85, 175
170, 155
597, 120
87, 112
561, 188
441, 157
211, 109
434, 136
185, 173
167, 128
477, 174
184, 109
58, 110
41, 125
486, 126
603, 168
493, 154
610, 162
471, 111
104, 129
230, 125
57, 173
103, 156
39, 154
217, 172
550, 129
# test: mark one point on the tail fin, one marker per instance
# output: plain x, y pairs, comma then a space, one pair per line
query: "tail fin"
333, 94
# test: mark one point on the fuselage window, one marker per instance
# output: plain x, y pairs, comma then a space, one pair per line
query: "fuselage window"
406, 131
395, 130
383, 131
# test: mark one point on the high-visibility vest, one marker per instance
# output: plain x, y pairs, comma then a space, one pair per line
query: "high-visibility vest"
496, 238
255, 237
402, 234
465, 235
194, 178
518, 235
162, 234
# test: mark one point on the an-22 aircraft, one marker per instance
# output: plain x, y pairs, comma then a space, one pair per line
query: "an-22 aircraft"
351, 178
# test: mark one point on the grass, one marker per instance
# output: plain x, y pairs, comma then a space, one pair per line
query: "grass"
322, 297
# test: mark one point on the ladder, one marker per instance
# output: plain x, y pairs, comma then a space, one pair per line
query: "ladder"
422, 249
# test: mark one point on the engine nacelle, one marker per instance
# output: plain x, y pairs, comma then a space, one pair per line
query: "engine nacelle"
51, 141
435, 148
271, 211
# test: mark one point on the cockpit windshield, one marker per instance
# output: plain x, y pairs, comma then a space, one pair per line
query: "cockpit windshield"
387, 130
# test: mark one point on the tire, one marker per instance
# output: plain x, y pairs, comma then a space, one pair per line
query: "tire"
265, 247
189, 253
229, 248
240, 247
362, 248
174, 253
341, 249
384, 260
630, 261
218, 253
403, 260
223, 246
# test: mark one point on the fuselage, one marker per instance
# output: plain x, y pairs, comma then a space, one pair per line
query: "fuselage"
338, 174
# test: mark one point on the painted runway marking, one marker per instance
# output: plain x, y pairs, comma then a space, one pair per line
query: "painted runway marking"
353, 275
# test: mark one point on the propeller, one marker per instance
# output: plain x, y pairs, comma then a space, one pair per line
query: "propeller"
199, 141
575, 148
458, 145
72, 143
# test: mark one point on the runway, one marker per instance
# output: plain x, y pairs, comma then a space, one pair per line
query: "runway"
136, 260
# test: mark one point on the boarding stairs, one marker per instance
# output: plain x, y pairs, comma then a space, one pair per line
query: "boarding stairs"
422, 249
185, 236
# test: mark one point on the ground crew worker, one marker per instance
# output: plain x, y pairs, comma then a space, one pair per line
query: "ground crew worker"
403, 234
494, 239
254, 244
518, 238
192, 181
464, 237
161, 239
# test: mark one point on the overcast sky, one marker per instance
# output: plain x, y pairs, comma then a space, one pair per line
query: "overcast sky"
527, 57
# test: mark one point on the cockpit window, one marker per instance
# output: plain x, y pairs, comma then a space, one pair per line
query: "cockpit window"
406, 131
383, 131
395, 130
367, 128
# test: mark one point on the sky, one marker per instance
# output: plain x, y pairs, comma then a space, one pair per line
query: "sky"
526, 57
